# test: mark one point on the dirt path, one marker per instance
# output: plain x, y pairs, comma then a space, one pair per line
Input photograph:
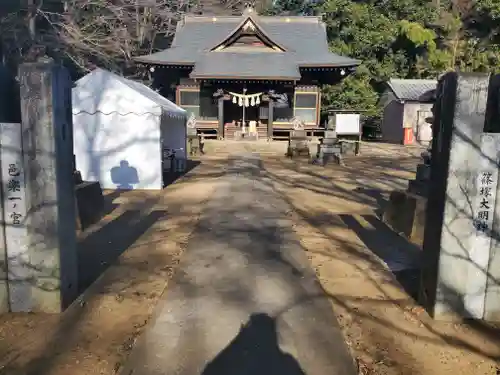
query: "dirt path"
96, 333
334, 210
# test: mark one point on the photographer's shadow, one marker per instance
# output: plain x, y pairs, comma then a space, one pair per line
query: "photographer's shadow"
254, 351
124, 176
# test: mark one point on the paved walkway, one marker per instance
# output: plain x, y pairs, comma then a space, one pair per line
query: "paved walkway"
244, 300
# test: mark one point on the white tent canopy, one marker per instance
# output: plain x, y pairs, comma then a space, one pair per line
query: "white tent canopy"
120, 128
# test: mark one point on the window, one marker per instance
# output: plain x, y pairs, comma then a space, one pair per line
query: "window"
282, 114
306, 106
307, 115
190, 101
303, 100
190, 98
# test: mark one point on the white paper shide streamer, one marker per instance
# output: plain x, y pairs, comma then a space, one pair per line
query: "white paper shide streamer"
246, 100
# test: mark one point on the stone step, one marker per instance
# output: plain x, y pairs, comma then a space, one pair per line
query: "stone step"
423, 172
405, 214
418, 187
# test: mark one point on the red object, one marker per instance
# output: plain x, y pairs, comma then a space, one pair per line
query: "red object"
408, 136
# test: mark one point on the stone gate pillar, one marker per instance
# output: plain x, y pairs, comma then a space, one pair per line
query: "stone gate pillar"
45, 91
461, 239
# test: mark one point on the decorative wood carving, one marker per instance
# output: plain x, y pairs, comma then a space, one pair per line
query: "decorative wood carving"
298, 123
191, 123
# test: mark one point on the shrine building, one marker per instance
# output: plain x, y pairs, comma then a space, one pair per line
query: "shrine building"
250, 70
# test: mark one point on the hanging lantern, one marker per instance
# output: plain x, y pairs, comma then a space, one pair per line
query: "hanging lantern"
252, 101
234, 99
246, 102
257, 101
240, 101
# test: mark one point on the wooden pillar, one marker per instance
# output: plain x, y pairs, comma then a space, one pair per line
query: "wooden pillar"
220, 116
270, 120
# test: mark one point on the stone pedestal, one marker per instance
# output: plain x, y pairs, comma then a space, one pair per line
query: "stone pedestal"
50, 194
194, 144
89, 204
459, 243
329, 150
298, 143
420, 185
405, 214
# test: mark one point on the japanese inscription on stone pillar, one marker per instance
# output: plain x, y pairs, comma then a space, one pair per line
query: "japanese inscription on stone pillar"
484, 205
14, 209
483, 211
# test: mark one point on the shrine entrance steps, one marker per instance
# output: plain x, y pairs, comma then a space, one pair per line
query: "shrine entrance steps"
244, 300
234, 132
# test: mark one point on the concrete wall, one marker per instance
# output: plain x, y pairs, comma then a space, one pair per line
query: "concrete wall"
392, 118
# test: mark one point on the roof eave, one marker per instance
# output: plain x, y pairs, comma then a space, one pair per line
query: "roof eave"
258, 78
391, 87
144, 60
346, 64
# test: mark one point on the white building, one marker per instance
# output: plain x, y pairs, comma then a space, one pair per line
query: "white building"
120, 128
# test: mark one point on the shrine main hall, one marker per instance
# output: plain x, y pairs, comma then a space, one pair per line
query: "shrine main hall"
249, 73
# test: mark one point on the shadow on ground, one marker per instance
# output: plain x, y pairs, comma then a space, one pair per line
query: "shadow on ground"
332, 199
169, 177
98, 250
255, 350
401, 256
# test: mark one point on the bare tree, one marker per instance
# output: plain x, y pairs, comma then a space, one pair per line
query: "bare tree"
14, 30
108, 33
89, 33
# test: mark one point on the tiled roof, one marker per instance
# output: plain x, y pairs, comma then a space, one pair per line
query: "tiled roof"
303, 38
412, 89
243, 65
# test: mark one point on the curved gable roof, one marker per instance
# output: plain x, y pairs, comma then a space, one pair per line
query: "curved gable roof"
303, 37
253, 22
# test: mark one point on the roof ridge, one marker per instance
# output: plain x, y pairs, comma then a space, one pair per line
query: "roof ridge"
143, 90
217, 18
412, 80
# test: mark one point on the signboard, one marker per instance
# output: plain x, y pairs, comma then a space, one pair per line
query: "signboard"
14, 216
347, 123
